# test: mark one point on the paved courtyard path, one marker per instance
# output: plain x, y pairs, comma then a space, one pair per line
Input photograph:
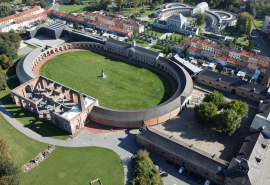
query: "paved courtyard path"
123, 143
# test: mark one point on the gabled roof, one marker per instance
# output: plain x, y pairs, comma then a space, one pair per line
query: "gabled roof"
231, 60
252, 66
242, 63
234, 82
192, 49
245, 53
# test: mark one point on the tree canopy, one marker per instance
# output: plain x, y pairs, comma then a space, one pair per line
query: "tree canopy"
258, 7
244, 23
144, 172
216, 98
43, 4
241, 108
228, 121
6, 10
3, 80
9, 171
205, 112
200, 19
9, 43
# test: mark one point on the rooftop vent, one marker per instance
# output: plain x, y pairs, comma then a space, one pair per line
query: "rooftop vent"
219, 79
262, 127
258, 159
218, 168
253, 90
171, 136
263, 145
213, 156
191, 145
247, 139
242, 153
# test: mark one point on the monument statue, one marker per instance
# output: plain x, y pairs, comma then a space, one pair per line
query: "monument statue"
102, 75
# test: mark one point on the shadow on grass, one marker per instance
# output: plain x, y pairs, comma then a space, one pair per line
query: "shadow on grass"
12, 70
29, 119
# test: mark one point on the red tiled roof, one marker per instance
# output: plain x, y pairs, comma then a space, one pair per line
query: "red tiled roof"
245, 53
242, 63
192, 49
252, 66
231, 60
220, 57
188, 38
253, 55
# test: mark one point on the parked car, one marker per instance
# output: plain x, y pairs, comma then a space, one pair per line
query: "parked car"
190, 175
184, 172
207, 182
164, 175
195, 178
200, 179
181, 169
170, 163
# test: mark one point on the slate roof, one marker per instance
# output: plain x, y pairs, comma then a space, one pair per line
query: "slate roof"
235, 82
250, 156
187, 152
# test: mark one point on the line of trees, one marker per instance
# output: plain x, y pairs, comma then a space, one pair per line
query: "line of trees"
230, 113
258, 7
6, 10
244, 23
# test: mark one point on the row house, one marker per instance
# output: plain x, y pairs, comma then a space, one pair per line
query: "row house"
263, 61
226, 50
179, 47
253, 58
252, 67
207, 54
192, 51
205, 45
245, 55
222, 59
241, 64
231, 62
211, 47
199, 44
198, 52
235, 53
21, 15
218, 49
109, 20
194, 41
118, 24
187, 41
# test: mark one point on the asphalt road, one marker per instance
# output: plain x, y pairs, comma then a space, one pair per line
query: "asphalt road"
260, 43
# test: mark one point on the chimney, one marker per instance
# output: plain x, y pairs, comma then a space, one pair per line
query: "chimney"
81, 102
133, 43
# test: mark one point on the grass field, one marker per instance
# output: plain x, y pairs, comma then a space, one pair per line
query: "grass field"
158, 48
159, 31
12, 70
242, 42
130, 11
64, 166
178, 36
30, 46
68, 9
140, 42
259, 23
127, 87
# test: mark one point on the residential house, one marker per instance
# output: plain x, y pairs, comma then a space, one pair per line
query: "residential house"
235, 53
253, 58
263, 61
179, 47
231, 62
252, 67
245, 55
226, 50
207, 55
198, 52
241, 64
187, 41
192, 51
222, 59
218, 49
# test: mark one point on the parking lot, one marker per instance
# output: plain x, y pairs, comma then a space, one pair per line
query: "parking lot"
186, 128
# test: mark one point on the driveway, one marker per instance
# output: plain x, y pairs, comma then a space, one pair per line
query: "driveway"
24, 51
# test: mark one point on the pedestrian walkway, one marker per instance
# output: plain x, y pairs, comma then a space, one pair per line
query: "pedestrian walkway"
161, 37
13, 76
120, 142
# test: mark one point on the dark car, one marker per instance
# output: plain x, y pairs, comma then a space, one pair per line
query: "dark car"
184, 172
190, 175
176, 168
164, 175
170, 163
195, 178
200, 179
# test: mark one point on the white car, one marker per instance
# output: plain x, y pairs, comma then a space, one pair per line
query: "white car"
207, 182
181, 169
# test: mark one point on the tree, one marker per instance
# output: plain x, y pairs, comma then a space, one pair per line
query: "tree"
3, 80
186, 52
30, 2
43, 4
135, 4
142, 154
156, 3
251, 45
119, 2
175, 39
76, 25
200, 19
205, 112
146, 38
166, 50
241, 108
44, 20
152, 6
155, 34
244, 22
162, 42
170, 38
152, 33
158, 41
160, 2
166, 37
228, 121
216, 98
103, 4
6, 10
230, 8
9, 171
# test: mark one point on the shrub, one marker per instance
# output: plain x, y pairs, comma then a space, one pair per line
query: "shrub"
142, 154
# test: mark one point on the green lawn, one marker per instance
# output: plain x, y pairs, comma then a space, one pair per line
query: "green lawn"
259, 23
242, 42
18, 2
158, 48
233, 32
130, 11
23, 116
140, 42
69, 9
65, 165
127, 87
30, 46
159, 31
178, 36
